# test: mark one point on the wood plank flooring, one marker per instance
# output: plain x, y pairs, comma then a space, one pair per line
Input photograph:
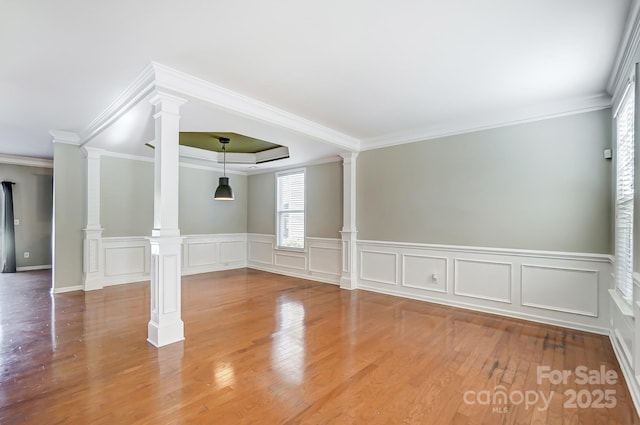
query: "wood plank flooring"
267, 349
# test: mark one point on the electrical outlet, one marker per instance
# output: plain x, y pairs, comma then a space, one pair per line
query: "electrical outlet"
16, 222
26, 254
434, 277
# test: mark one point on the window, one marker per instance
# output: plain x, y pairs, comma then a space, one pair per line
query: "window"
290, 209
624, 195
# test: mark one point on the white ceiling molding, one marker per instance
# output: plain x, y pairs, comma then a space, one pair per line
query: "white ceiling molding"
136, 91
628, 52
496, 120
65, 137
182, 164
321, 161
26, 161
197, 88
273, 154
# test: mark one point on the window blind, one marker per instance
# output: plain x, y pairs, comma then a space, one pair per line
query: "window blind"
290, 209
624, 195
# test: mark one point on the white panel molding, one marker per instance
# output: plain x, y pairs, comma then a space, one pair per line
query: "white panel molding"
425, 275
136, 268
321, 261
233, 251
584, 292
374, 270
478, 283
291, 260
261, 249
325, 259
201, 254
208, 253
556, 255
506, 312
418, 262
26, 161
125, 260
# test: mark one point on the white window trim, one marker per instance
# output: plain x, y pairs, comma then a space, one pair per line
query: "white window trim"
629, 93
279, 247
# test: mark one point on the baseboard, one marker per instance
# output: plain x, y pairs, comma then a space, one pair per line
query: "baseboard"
64, 289
285, 272
627, 371
485, 309
30, 268
211, 269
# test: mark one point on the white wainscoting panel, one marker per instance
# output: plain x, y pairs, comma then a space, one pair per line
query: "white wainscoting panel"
321, 260
233, 252
561, 289
379, 267
210, 253
293, 260
261, 250
201, 254
565, 289
125, 259
424, 272
325, 260
486, 280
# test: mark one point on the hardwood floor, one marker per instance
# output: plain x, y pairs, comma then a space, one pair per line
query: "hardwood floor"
269, 349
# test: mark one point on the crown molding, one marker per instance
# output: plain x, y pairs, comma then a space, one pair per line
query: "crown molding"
136, 91
627, 52
180, 82
182, 164
26, 161
66, 137
320, 161
496, 120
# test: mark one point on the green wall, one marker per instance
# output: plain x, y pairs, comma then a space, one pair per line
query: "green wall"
200, 213
126, 197
68, 216
542, 185
33, 206
323, 199
126, 200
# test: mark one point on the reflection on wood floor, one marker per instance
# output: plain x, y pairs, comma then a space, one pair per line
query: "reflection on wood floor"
267, 349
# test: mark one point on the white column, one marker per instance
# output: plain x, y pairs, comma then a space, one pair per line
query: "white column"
92, 244
166, 326
349, 278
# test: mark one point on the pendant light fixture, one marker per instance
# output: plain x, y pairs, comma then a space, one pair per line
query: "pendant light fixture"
224, 191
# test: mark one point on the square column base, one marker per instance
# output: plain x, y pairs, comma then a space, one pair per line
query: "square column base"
159, 336
348, 283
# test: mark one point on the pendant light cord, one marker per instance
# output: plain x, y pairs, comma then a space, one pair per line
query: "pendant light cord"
224, 161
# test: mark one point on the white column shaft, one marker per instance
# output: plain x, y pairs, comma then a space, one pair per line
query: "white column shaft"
349, 278
165, 324
92, 243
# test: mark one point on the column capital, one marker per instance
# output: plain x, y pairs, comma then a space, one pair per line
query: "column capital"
166, 102
349, 157
65, 137
92, 153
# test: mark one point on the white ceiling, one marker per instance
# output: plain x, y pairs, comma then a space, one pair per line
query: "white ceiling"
375, 70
